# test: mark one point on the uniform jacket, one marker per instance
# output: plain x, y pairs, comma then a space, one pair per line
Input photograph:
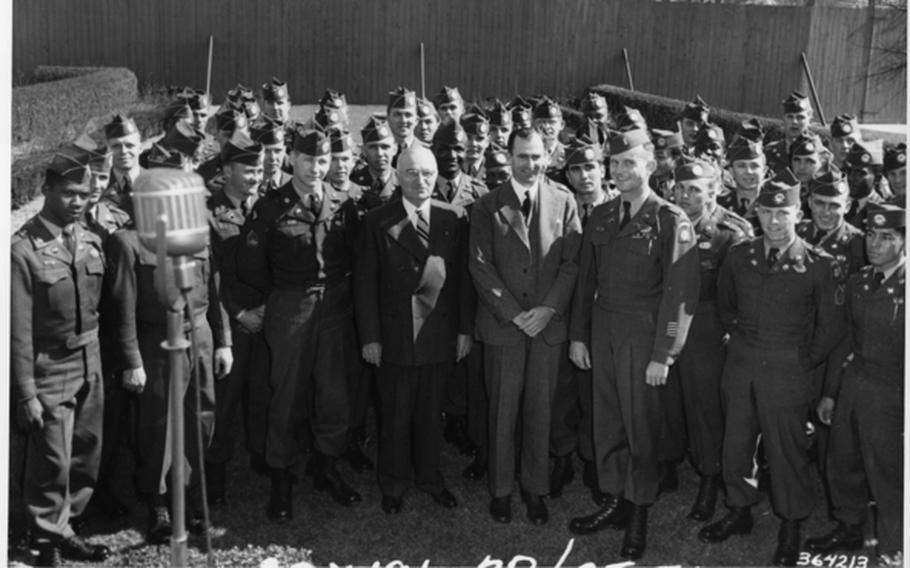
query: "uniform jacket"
226, 221
385, 191
846, 244
476, 171
795, 303
649, 267
267, 186
467, 190
411, 299
777, 155
54, 312
730, 202
715, 233
517, 267
104, 218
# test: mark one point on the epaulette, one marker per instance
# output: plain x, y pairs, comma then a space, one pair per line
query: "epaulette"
672, 208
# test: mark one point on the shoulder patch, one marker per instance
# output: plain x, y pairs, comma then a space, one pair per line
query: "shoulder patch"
684, 232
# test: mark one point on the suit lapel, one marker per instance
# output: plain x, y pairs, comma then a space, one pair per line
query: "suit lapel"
510, 209
401, 230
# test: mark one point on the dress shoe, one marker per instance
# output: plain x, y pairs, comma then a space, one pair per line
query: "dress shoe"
357, 459
75, 548
501, 509
328, 479
737, 521
105, 502
633, 542
669, 479
456, 433
215, 474
445, 499
706, 500
392, 505
589, 476
614, 514
788, 540
537, 508
563, 473
159, 525
478, 466
280, 508
48, 555
843, 537
259, 465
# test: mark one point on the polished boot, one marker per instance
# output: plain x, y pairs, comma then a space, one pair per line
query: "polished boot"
358, 460
280, 508
537, 509
48, 555
788, 539
706, 500
478, 466
615, 514
159, 524
326, 478
215, 474
456, 433
633, 542
669, 478
844, 537
737, 521
501, 509
563, 473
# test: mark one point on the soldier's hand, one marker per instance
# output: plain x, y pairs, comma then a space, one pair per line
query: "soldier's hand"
656, 374
251, 320
537, 320
463, 346
134, 380
33, 412
579, 355
372, 353
825, 410
224, 360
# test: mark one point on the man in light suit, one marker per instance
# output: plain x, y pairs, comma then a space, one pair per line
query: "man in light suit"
525, 236
414, 302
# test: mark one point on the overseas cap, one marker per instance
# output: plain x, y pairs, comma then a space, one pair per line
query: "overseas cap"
865, 153
426, 108
333, 99
694, 170
895, 157
402, 98
376, 129
161, 157
886, 216
546, 108
70, 164
341, 141
696, 110
268, 132
275, 91
496, 157
744, 149
230, 119
806, 145
475, 124
627, 140
312, 142
780, 191
448, 95
593, 103
499, 115
844, 125
183, 138
241, 148
666, 139
828, 184
631, 119
582, 151
119, 127
750, 130
450, 133
796, 102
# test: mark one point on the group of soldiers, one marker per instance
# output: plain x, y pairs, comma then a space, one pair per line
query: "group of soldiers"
524, 281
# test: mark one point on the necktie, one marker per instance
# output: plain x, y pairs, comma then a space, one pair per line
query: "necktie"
586, 213
450, 190
526, 206
69, 240
127, 187
245, 208
877, 279
819, 236
423, 229
743, 204
315, 203
773, 256
626, 214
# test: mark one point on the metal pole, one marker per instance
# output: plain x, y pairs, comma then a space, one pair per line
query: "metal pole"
423, 72
625, 58
208, 71
818, 105
176, 345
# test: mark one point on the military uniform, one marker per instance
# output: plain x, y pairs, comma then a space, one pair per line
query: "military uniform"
386, 190
741, 207
55, 357
777, 155
844, 244
104, 218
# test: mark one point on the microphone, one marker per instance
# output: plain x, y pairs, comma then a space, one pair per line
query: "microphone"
171, 220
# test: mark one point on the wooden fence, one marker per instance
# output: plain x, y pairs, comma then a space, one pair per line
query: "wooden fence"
740, 57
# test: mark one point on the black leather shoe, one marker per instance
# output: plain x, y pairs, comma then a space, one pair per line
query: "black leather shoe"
159, 525
259, 465
392, 505
633, 542
788, 540
456, 433
48, 555
75, 548
844, 537
669, 479
706, 500
357, 459
215, 474
280, 508
737, 521
614, 514
478, 466
328, 479
105, 502
589, 476
445, 499
563, 473
501, 509
537, 508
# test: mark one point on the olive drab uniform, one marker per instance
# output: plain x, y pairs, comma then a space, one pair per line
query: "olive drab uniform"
845, 244
55, 288
384, 189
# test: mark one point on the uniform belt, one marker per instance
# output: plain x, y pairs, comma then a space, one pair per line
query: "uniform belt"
82, 339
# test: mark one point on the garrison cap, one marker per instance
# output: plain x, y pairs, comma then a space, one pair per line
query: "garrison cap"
341, 140
119, 127
70, 164
696, 110
844, 125
161, 157
312, 142
376, 129
197, 99
327, 118
710, 141
630, 119
780, 191
475, 124
695, 169
450, 133
426, 108
178, 110
333, 99
666, 139
241, 148
275, 91
805, 145
268, 132
796, 102
547, 108
448, 95
829, 184
886, 216
98, 156
594, 102
521, 117
744, 149
496, 157
865, 153
183, 138
628, 139
750, 130
402, 98
499, 115
582, 151
230, 119
242, 98
895, 157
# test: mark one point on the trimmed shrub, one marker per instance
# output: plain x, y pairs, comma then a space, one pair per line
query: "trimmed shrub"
27, 175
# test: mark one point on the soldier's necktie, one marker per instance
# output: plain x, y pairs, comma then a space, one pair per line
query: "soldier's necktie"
586, 213
423, 229
245, 208
773, 256
315, 204
877, 279
744, 204
450, 190
526, 206
626, 214
126, 187
69, 239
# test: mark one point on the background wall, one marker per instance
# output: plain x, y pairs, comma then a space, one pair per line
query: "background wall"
740, 57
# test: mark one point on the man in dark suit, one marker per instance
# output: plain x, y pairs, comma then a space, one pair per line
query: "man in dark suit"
414, 302
525, 236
